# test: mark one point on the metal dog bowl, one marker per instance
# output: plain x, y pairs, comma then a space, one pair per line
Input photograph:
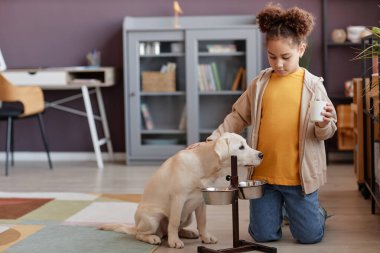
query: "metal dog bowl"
251, 189
218, 195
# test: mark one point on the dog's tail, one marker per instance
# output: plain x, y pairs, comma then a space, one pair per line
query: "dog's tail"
121, 228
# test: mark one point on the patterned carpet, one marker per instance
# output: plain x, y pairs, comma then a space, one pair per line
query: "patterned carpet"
66, 222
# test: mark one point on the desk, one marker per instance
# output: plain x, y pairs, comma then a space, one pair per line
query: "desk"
88, 80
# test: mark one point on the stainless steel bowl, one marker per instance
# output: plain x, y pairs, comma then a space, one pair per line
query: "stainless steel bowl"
218, 195
251, 189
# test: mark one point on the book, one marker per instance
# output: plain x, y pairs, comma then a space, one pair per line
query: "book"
202, 81
238, 76
182, 121
244, 80
147, 117
210, 78
221, 48
215, 73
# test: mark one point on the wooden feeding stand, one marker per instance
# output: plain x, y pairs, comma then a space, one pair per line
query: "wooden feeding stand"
238, 245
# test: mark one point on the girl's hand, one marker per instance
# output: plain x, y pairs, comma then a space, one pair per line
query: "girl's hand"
327, 115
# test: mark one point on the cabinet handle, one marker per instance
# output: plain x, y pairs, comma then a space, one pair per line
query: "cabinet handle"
132, 94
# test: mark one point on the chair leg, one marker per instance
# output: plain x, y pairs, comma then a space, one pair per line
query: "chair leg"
12, 143
43, 134
8, 144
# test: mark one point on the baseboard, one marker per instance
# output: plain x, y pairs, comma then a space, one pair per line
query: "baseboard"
63, 156
341, 157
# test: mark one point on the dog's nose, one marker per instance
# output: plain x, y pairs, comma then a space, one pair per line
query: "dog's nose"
260, 155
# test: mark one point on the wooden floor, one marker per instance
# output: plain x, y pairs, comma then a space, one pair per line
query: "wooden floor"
352, 228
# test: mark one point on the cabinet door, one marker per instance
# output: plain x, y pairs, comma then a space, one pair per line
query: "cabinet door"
156, 98
220, 63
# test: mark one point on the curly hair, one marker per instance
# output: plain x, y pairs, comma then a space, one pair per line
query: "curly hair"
294, 23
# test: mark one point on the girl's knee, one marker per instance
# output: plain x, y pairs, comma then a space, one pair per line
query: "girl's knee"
264, 236
310, 238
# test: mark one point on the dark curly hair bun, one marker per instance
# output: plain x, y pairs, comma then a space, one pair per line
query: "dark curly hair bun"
270, 17
279, 22
300, 21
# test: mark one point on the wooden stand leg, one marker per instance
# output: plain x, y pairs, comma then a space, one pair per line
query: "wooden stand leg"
243, 246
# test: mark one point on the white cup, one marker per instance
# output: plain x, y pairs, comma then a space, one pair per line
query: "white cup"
317, 107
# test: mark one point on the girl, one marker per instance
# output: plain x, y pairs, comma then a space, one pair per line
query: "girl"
276, 106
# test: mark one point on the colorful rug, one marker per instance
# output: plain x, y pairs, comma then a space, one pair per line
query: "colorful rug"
66, 222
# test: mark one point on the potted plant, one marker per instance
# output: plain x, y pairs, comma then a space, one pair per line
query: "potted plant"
371, 49
370, 52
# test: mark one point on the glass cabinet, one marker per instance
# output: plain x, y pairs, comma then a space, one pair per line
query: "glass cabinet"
181, 82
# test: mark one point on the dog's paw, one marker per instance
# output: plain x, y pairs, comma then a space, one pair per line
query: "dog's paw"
154, 239
175, 243
209, 239
151, 239
188, 234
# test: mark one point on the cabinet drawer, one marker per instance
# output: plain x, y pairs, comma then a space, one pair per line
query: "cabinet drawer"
36, 77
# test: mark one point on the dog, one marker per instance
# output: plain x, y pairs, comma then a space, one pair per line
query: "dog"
173, 192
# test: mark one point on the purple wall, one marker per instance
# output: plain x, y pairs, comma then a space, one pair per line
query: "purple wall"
54, 33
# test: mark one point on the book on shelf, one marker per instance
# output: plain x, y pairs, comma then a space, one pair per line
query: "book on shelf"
182, 121
208, 77
169, 67
202, 82
221, 48
148, 122
244, 80
237, 80
216, 76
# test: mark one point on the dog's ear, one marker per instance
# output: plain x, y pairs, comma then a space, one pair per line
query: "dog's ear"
222, 148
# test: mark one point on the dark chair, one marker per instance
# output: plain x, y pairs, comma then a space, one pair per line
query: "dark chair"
18, 102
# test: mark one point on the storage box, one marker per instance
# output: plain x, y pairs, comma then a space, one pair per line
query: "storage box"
155, 81
345, 116
345, 138
345, 127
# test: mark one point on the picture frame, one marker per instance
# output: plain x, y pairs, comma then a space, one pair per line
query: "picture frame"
3, 66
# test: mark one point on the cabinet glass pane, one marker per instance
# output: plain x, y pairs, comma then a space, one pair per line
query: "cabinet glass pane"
150, 68
220, 63
163, 139
163, 117
221, 79
222, 46
213, 110
165, 111
163, 48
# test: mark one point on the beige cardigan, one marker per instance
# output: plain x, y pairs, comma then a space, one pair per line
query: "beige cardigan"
247, 112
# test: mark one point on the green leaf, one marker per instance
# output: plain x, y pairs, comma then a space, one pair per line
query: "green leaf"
376, 31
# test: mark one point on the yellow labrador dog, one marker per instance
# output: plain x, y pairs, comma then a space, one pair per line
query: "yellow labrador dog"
173, 193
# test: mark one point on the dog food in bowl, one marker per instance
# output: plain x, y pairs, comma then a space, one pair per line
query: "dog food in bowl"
218, 195
251, 189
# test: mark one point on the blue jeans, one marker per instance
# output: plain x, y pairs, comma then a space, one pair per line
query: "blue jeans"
306, 220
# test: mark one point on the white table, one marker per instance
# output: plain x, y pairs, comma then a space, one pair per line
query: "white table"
88, 80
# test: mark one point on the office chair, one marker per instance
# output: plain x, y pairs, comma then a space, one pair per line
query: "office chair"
16, 103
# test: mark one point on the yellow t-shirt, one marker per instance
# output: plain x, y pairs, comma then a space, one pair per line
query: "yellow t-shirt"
279, 130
